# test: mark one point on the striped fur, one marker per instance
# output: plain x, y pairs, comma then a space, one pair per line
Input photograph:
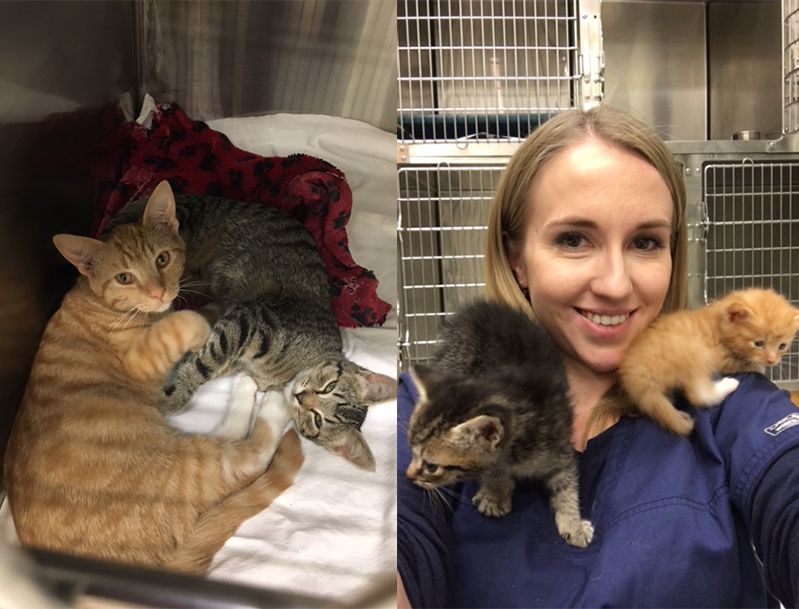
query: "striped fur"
496, 409
92, 468
277, 323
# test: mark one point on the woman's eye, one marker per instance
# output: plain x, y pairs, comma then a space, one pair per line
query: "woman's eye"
759, 344
125, 278
162, 260
317, 419
648, 243
570, 241
329, 387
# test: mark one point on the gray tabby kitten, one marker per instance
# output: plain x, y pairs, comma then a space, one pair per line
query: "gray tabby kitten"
277, 324
496, 408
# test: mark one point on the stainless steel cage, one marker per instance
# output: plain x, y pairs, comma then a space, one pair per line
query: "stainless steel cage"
492, 70
743, 230
790, 66
442, 222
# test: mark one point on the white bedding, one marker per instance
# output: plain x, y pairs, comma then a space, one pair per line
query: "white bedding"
333, 533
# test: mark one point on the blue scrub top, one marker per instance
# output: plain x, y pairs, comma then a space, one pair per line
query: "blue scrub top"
673, 519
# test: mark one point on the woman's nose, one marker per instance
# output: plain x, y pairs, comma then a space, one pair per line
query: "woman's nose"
611, 277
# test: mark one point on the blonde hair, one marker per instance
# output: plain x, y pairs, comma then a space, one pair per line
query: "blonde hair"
507, 216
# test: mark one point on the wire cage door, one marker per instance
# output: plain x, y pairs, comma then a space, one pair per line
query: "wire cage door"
753, 236
492, 70
442, 223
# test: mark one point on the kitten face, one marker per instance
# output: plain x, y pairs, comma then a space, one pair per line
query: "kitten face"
329, 404
759, 327
139, 269
451, 433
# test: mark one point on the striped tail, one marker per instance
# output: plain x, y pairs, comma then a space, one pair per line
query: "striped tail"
220, 522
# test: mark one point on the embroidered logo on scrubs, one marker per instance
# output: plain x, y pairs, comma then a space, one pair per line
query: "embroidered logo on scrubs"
792, 420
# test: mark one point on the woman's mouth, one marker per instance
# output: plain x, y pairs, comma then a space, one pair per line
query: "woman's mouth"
604, 320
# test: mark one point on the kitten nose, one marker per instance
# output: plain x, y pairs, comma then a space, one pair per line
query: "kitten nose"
771, 358
156, 292
307, 399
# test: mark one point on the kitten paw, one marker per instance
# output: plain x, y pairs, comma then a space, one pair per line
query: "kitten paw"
575, 533
191, 327
491, 505
236, 424
681, 423
725, 387
275, 411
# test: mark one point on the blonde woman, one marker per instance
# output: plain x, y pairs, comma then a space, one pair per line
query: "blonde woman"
587, 235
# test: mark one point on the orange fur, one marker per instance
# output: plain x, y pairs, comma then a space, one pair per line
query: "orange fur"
683, 350
92, 468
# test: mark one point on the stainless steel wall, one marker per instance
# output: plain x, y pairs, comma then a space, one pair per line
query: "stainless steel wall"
236, 58
59, 61
695, 70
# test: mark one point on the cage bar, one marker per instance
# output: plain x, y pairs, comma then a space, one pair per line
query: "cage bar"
753, 236
487, 70
443, 215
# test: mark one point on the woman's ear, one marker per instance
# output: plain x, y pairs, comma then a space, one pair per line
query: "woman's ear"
516, 262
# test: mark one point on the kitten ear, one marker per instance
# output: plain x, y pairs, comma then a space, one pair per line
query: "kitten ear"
483, 431
353, 447
82, 252
160, 209
376, 387
738, 311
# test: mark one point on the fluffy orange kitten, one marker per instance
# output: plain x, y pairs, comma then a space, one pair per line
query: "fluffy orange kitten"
745, 331
92, 468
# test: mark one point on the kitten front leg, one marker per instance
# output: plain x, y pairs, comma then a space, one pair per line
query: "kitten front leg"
164, 343
494, 496
705, 392
217, 356
277, 415
564, 498
238, 419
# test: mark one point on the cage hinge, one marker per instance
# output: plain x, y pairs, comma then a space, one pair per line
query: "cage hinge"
591, 55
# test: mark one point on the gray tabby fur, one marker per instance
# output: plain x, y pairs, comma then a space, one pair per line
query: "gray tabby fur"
495, 408
263, 270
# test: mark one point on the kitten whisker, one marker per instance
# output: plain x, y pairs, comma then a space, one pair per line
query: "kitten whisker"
182, 289
123, 319
454, 494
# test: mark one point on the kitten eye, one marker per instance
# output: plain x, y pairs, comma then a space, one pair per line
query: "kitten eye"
317, 419
125, 278
429, 468
783, 346
758, 343
329, 387
162, 260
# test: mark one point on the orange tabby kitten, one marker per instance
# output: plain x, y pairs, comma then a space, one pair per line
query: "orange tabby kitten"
92, 467
745, 331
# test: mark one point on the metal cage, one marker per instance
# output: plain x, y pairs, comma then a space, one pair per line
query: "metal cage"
790, 66
743, 228
492, 70
442, 222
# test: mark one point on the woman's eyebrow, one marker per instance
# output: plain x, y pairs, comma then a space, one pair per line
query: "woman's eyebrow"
586, 223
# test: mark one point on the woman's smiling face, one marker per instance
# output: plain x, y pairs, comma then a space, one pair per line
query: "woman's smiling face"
596, 256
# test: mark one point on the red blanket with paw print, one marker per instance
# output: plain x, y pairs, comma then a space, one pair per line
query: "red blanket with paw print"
198, 160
